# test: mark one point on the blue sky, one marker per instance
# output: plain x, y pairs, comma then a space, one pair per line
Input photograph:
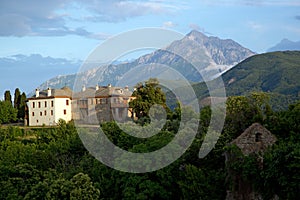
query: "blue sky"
72, 29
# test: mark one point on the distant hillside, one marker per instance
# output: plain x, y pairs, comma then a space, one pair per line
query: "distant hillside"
276, 72
285, 45
270, 72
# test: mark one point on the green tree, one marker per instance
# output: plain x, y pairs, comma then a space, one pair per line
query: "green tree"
51, 185
143, 186
17, 98
21, 178
22, 105
7, 96
7, 112
83, 187
242, 111
281, 169
147, 95
197, 183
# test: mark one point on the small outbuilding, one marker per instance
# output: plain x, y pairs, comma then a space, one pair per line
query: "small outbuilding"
254, 140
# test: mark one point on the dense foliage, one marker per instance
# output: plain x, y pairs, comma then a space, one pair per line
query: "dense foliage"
52, 163
146, 95
11, 112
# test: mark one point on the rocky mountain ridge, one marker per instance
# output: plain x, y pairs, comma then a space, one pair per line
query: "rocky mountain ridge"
193, 53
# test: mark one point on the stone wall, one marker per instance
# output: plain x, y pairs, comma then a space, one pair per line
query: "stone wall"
254, 139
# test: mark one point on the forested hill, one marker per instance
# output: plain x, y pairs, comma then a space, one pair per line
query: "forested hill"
276, 73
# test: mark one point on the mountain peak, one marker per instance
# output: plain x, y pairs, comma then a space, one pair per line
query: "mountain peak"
196, 33
284, 40
285, 45
222, 51
196, 36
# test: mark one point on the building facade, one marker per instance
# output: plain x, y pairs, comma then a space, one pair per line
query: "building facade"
94, 105
91, 105
48, 106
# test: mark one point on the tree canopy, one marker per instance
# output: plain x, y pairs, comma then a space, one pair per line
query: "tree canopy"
52, 162
12, 112
147, 95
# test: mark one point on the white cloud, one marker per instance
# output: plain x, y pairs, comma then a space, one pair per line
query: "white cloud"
169, 24
41, 18
293, 29
194, 26
120, 10
254, 2
255, 26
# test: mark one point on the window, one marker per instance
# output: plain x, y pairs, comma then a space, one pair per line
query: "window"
32, 113
52, 112
41, 113
83, 102
67, 102
52, 103
39, 104
45, 112
121, 113
33, 104
45, 104
258, 137
65, 111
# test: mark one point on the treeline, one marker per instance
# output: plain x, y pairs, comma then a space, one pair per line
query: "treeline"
52, 163
12, 111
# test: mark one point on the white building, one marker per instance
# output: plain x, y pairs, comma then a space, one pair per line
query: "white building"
48, 106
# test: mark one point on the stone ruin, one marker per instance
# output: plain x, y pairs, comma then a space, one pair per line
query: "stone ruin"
254, 140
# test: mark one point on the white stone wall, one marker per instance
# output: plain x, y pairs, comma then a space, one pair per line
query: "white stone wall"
44, 112
62, 110
40, 113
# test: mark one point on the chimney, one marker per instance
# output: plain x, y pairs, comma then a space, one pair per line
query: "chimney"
83, 88
126, 88
37, 92
48, 92
97, 87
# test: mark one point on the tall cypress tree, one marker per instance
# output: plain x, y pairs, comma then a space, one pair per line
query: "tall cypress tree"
7, 96
17, 98
22, 104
